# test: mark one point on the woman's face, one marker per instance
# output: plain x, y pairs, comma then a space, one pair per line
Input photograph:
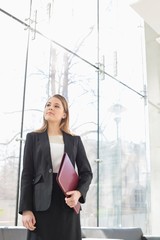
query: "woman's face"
54, 111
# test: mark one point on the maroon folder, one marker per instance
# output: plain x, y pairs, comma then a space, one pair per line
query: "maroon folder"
68, 178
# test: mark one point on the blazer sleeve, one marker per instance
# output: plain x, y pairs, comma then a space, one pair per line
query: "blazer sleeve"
26, 190
84, 170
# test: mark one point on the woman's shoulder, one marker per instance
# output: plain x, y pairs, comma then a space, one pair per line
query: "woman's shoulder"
34, 133
71, 134
72, 137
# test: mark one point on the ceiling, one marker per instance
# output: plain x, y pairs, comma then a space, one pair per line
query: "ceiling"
149, 10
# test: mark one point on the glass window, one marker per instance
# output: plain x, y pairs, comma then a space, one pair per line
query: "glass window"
92, 52
12, 73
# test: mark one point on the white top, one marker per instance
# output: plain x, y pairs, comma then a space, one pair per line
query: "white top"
57, 150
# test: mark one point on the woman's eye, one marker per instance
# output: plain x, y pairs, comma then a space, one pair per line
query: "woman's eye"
56, 106
48, 104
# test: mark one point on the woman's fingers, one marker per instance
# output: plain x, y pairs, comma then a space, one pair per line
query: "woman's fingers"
28, 220
72, 199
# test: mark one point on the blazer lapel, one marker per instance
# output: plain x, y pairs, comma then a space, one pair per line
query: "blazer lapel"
68, 145
44, 142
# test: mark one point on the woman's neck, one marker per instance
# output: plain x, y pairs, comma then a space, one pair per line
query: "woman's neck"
54, 130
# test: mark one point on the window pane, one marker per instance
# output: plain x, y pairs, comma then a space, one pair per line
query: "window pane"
17, 8
124, 170
12, 72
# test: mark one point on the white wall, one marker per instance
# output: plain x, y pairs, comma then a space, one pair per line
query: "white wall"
153, 82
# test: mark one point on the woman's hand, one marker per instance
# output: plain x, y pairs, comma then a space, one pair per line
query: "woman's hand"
72, 199
28, 220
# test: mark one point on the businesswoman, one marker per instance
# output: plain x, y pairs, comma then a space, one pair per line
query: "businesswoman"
46, 212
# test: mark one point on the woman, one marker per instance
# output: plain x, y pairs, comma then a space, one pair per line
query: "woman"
46, 212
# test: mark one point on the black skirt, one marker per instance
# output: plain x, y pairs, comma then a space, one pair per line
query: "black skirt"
59, 222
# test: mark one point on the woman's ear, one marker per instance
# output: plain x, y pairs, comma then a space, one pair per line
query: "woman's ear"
64, 115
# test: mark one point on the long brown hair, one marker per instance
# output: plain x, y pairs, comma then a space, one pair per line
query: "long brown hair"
64, 125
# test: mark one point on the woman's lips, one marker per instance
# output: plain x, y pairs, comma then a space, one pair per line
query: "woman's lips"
50, 113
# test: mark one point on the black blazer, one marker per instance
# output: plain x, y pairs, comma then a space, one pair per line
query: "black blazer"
37, 172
